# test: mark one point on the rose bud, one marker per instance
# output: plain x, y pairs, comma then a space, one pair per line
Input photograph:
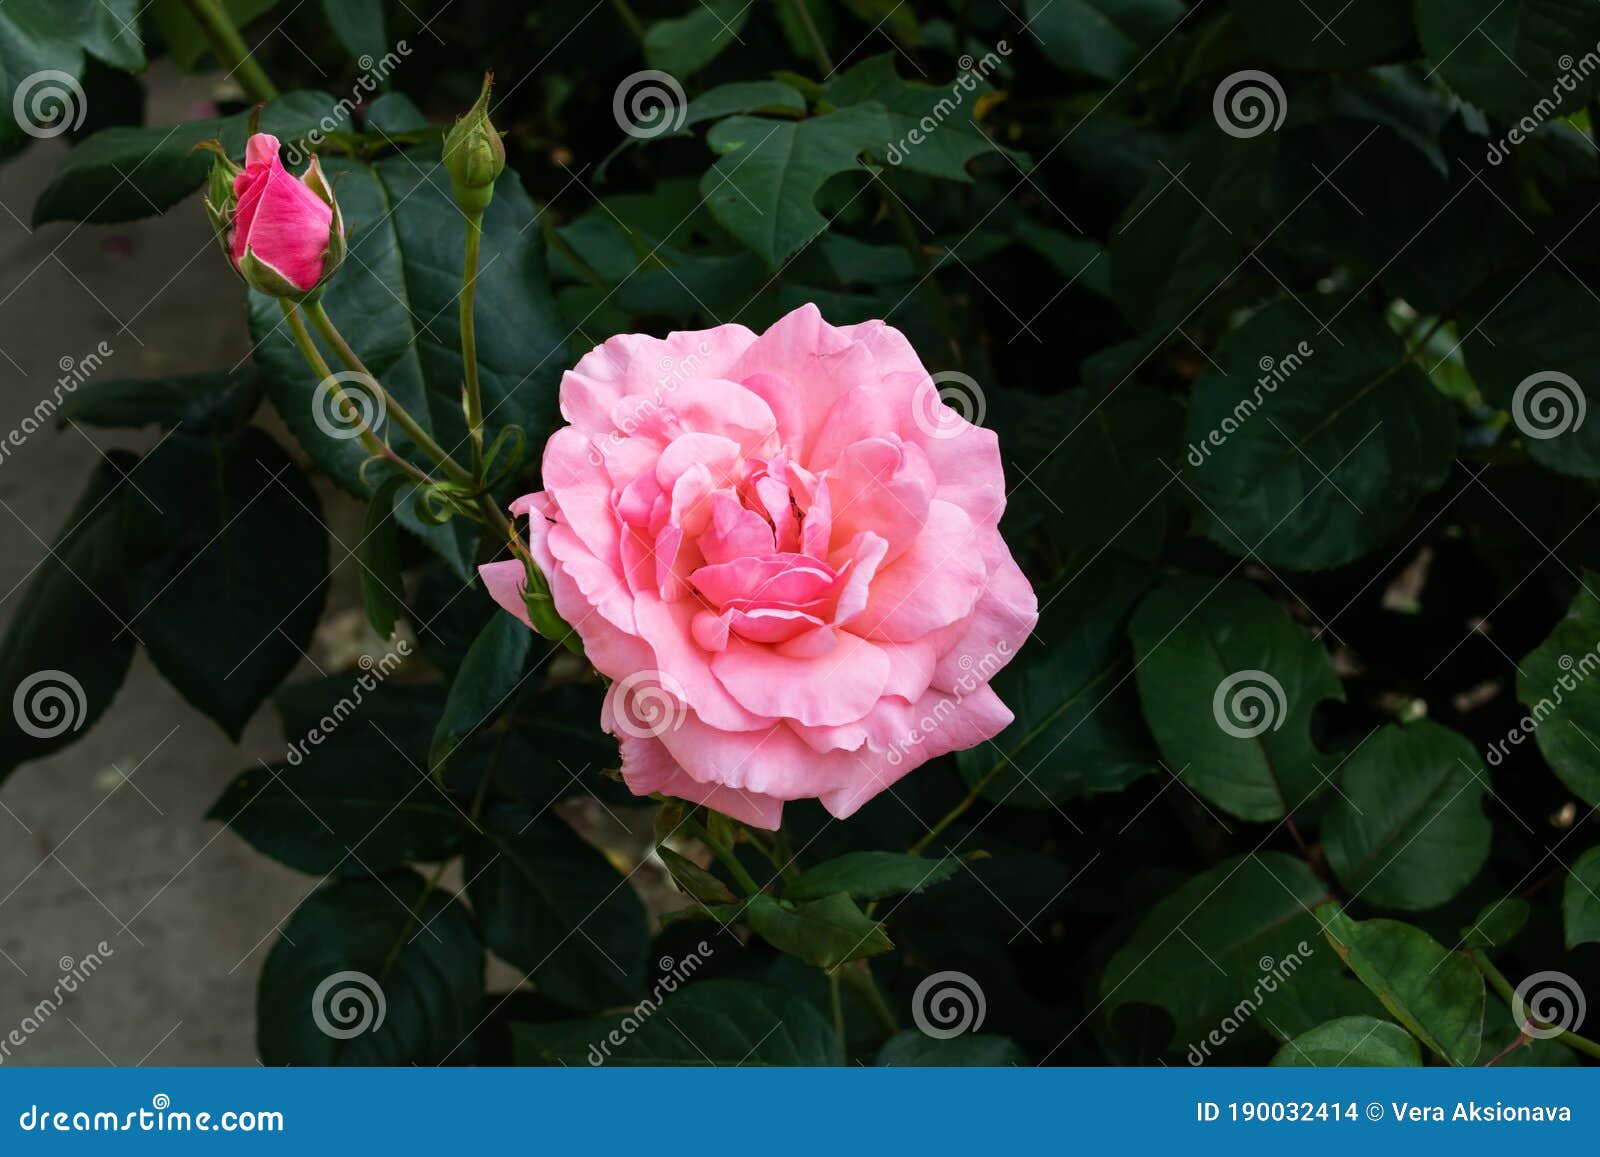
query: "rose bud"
284, 234
474, 155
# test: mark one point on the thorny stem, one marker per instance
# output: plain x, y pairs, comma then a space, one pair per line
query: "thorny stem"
819, 50
469, 343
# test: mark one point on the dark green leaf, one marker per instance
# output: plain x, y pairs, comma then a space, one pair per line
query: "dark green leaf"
490, 674
1563, 704
552, 906
354, 949
825, 932
764, 185
383, 587
1436, 994
233, 594
1104, 38
1309, 448
871, 875
359, 25
1406, 828
1352, 1042
200, 403
756, 96
1581, 900
1229, 683
1326, 34
686, 44
693, 880
1506, 55
67, 648
1497, 924
185, 39
44, 36
1237, 943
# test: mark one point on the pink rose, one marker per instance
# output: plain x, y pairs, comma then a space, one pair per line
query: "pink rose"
784, 552
281, 222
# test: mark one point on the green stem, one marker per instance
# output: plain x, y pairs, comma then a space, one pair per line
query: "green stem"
838, 1015
724, 856
319, 366
231, 50
862, 980
819, 50
469, 344
630, 18
1503, 987
956, 812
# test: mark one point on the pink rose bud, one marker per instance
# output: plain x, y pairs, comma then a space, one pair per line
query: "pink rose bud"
283, 234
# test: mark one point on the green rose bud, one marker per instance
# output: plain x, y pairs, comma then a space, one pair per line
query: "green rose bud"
474, 154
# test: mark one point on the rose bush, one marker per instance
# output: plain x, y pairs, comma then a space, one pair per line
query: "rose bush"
785, 550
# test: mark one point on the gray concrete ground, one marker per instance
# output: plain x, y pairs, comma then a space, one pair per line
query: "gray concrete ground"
105, 841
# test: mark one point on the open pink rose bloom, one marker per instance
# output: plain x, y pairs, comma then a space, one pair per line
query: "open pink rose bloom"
784, 552
279, 220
